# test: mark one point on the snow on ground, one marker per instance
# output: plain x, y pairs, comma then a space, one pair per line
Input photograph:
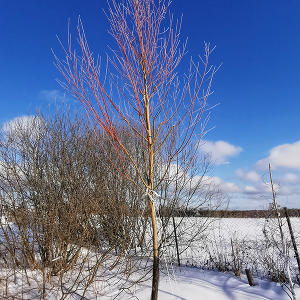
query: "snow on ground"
249, 228
195, 284
186, 283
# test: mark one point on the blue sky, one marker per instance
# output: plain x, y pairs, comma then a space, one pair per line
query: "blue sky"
258, 44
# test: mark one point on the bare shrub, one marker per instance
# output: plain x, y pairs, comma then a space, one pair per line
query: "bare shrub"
63, 208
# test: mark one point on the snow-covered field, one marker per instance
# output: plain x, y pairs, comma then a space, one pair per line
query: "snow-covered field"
197, 278
256, 243
249, 228
193, 283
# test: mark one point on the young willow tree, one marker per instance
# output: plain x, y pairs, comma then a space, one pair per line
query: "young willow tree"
145, 94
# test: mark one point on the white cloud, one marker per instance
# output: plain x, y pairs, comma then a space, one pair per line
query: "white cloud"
176, 173
249, 176
227, 187
286, 155
290, 178
250, 189
288, 190
263, 189
230, 187
220, 151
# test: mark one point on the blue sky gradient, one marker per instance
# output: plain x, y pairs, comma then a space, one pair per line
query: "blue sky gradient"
258, 44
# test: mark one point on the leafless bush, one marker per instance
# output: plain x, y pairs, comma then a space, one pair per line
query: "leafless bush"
62, 206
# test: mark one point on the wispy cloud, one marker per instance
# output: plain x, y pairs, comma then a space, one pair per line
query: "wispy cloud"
53, 96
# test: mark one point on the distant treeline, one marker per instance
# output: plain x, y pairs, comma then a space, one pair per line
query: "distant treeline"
293, 212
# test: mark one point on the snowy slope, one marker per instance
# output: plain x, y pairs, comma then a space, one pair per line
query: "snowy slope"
195, 284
